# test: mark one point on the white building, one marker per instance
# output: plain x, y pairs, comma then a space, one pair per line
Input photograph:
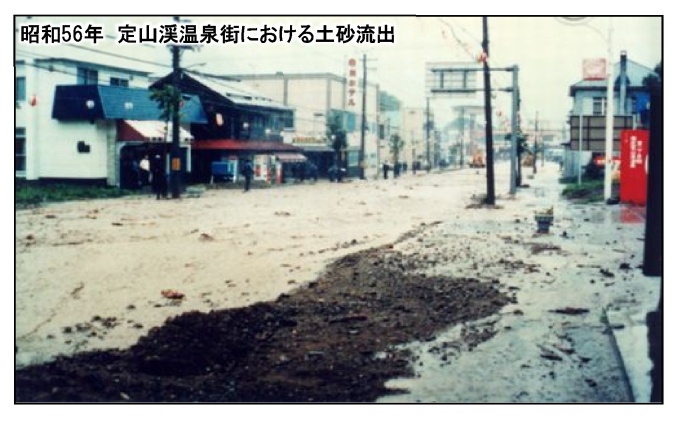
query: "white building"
587, 117
73, 119
316, 97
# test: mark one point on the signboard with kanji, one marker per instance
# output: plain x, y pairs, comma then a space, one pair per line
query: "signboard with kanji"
634, 149
352, 84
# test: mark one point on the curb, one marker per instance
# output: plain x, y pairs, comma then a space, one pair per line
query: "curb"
627, 332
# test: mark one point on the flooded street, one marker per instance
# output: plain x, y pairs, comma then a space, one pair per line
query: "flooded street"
228, 249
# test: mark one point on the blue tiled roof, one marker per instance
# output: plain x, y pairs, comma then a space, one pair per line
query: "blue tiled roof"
116, 102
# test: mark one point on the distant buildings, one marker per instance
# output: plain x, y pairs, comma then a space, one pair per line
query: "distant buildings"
587, 116
241, 124
316, 97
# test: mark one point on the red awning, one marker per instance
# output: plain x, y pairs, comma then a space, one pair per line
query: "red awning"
263, 147
148, 131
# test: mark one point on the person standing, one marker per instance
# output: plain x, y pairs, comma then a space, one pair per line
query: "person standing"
313, 171
144, 170
386, 169
247, 174
158, 177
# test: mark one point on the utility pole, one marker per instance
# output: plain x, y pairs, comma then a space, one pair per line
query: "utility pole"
362, 164
490, 192
535, 141
652, 264
427, 132
519, 129
515, 129
461, 119
175, 161
609, 119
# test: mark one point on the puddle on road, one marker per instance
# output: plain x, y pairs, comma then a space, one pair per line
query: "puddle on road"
510, 367
454, 369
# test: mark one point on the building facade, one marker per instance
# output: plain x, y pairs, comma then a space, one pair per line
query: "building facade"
587, 119
414, 134
48, 148
316, 98
242, 125
89, 122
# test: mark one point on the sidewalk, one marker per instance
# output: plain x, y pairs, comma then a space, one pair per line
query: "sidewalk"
589, 262
627, 319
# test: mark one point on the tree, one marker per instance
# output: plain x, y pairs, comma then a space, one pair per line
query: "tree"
337, 134
654, 80
166, 98
396, 145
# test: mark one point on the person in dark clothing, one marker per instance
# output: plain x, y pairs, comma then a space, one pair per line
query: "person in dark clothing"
247, 174
386, 169
159, 181
301, 170
313, 171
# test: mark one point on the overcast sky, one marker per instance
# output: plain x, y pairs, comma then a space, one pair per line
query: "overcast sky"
548, 51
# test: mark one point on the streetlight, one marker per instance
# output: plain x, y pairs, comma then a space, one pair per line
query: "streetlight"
609, 111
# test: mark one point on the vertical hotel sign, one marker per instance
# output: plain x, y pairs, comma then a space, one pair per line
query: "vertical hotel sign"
351, 83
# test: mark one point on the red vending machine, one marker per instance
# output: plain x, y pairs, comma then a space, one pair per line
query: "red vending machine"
634, 147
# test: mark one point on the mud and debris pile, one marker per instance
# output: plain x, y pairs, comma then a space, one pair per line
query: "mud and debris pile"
332, 340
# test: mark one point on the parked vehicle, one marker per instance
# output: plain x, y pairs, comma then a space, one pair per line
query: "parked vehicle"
477, 161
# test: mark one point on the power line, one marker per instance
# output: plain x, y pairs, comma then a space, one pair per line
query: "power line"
121, 56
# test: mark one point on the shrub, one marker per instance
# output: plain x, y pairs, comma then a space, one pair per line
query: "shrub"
589, 191
30, 194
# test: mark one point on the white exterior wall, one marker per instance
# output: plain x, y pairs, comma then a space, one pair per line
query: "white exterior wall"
270, 88
51, 145
338, 95
64, 160
309, 96
413, 133
314, 96
583, 102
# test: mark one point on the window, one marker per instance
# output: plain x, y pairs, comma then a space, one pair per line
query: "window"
599, 106
119, 82
20, 149
87, 76
20, 89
